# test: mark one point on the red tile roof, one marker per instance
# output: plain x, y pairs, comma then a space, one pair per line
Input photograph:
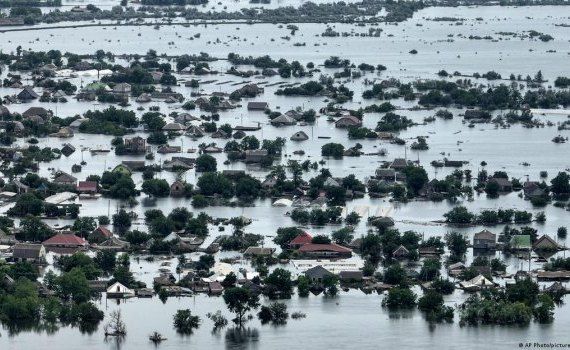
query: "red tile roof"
65, 240
87, 186
310, 247
104, 231
301, 239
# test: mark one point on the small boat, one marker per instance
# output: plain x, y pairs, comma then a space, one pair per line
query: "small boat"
156, 337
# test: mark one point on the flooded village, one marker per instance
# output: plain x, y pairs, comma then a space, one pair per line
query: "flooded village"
284, 174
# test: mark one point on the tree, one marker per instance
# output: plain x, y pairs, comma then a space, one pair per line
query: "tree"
199, 201
561, 186
84, 225
180, 217
278, 284
184, 322
352, 218
343, 236
430, 269
215, 183
416, 178
156, 187
399, 298
303, 286
335, 150
106, 260
123, 275
459, 215
443, 286
157, 138
248, 187
161, 226
230, 280
34, 230
321, 239
562, 232
285, 235
123, 188
85, 314
543, 312
136, 237
205, 262
371, 247
456, 243
430, 301
153, 121
275, 313
73, 285
492, 189
240, 301
206, 163
330, 284
395, 275
122, 220
23, 269
27, 204
81, 261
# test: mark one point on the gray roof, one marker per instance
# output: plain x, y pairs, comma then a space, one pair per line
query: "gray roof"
26, 251
486, 235
317, 272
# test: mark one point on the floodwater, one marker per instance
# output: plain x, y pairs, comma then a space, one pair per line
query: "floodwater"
352, 320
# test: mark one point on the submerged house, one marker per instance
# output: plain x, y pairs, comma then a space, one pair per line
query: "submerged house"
348, 121
67, 149
135, 145
401, 253
299, 136
300, 240
27, 94
258, 251
34, 253
504, 184
331, 250
117, 290
113, 244
545, 242
177, 189
520, 242
283, 120
63, 178
477, 283
484, 240
67, 243
317, 273
257, 106
255, 155
100, 234
87, 187
532, 189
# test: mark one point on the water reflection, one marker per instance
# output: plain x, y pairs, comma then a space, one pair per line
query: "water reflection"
242, 338
115, 343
